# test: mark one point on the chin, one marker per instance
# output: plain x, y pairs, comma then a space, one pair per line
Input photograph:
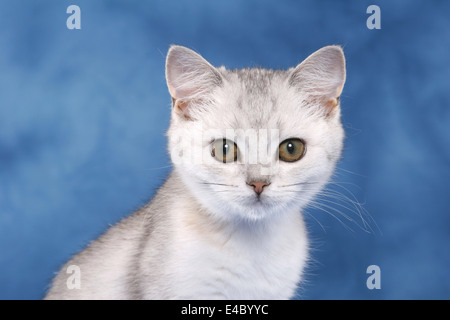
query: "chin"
263, 208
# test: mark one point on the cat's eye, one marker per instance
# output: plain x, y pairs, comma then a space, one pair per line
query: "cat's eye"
224, 150
292, 149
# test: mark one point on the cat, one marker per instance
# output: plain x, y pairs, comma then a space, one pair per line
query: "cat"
227, 223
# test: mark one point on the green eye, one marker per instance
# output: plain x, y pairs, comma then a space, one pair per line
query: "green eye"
291, 150
224, 150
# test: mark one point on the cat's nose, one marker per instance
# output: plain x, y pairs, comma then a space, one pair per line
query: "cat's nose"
258, 186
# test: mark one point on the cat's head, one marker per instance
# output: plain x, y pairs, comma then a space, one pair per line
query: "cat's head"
254, 143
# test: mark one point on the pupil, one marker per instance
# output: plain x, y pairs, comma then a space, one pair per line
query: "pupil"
290, 147
225, 148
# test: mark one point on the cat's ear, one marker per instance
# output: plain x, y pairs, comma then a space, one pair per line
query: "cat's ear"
190, 78
320, 78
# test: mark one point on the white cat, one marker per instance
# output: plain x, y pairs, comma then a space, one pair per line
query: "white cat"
250, 149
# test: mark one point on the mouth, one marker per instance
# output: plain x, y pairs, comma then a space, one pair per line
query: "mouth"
259, 201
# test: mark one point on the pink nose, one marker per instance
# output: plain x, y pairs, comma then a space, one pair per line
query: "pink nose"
258, 186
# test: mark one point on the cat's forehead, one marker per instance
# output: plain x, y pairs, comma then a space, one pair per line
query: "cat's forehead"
257, 80
253, 83
253, 98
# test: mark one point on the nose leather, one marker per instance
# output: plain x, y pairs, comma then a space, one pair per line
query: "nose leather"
258, 186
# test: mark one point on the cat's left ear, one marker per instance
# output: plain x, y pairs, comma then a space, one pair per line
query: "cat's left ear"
190, 78
320, 78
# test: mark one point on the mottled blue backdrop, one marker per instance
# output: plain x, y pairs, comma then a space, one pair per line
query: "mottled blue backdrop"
83, 115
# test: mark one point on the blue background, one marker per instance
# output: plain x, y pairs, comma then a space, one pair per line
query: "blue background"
83, 115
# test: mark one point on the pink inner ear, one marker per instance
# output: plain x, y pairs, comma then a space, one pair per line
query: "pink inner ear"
184, 92
332, 103
179, 104
181, 108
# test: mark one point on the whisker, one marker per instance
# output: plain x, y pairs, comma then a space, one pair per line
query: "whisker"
339, 196
296, 184
159, 168
339, 184
360, 210
351, 172
329, 200
315, 219
220, 184
333, 208
366, 219
319, 207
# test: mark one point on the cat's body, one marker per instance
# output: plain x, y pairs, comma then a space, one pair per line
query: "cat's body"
174, 250
228, 229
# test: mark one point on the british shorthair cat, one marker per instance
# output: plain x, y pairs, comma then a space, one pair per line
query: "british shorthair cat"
250, 149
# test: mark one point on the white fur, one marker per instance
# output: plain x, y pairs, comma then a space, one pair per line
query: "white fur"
227, 261
206, 235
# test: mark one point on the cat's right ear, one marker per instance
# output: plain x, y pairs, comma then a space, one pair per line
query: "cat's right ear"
190, 78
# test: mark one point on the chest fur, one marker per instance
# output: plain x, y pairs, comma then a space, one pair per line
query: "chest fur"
240, 262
